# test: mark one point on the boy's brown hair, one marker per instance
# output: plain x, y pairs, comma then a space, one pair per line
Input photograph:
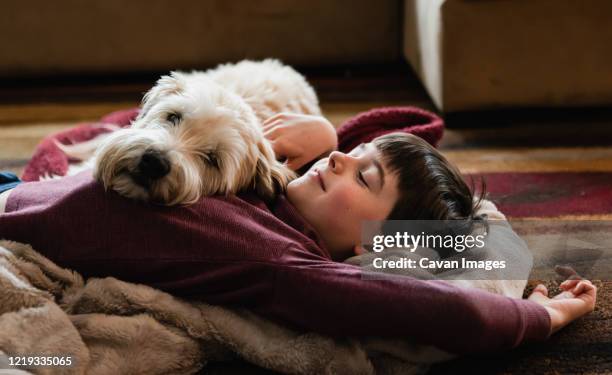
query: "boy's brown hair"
430, 188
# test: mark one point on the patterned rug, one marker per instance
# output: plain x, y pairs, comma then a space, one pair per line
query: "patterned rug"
554, 194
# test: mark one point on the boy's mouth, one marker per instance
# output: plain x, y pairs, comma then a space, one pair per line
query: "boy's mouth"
320, 178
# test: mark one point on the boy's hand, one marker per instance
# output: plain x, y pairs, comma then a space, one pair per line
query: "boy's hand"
577, 299
300, 138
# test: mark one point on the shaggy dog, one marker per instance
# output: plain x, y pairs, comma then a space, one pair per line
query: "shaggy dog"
200, 134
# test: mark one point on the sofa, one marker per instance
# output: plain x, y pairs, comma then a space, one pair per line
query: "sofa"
68, 37
490, 54
469, 54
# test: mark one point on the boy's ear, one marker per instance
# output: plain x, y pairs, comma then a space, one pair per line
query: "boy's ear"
358, 250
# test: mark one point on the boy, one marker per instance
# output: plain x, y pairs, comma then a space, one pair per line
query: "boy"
277, 259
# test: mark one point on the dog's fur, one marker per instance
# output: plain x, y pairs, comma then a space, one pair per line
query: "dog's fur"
207, 126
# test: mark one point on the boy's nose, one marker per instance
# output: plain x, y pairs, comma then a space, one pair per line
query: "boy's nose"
338, 161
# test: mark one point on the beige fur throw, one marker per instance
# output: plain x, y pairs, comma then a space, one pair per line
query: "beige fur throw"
111, 327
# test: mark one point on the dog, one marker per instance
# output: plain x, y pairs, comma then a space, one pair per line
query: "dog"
200, 134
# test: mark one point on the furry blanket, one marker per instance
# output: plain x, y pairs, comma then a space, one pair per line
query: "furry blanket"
112, 327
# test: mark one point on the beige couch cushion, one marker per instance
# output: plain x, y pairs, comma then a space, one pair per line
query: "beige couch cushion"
478, 54
72, 36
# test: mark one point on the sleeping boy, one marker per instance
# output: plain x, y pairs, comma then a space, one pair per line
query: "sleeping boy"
281, 258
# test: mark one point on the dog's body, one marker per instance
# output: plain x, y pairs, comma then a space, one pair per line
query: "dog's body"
200, 133
269, 87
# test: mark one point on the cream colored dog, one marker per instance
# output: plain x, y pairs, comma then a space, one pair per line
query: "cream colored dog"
200, 133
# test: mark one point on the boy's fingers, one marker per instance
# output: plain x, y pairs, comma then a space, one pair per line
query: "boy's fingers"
578, 289
540, 293
281, 117
569, 284
541, 288
582, 287
273, 118
587, 292
270, 126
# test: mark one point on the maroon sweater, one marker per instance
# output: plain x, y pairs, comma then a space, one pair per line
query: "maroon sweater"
238, 251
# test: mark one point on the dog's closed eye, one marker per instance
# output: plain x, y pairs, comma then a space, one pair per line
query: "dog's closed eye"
211, 159
174, 118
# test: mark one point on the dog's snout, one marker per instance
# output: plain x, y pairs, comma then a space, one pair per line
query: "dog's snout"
154, 165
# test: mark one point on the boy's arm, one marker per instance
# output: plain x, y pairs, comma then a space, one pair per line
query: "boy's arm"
338, 299
299, 138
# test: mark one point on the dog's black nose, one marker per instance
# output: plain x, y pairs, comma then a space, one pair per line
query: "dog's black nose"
154, 165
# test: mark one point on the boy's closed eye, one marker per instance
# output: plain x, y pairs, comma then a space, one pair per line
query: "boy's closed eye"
380, 180
363, 180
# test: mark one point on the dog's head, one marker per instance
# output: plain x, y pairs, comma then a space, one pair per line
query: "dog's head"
191, 138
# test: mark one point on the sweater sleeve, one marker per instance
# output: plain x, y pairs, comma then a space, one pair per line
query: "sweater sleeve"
339, 299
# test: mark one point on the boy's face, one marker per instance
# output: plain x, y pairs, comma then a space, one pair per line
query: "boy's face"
339, 192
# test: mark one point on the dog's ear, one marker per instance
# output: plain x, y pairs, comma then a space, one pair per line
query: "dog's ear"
166, 85
271, 176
